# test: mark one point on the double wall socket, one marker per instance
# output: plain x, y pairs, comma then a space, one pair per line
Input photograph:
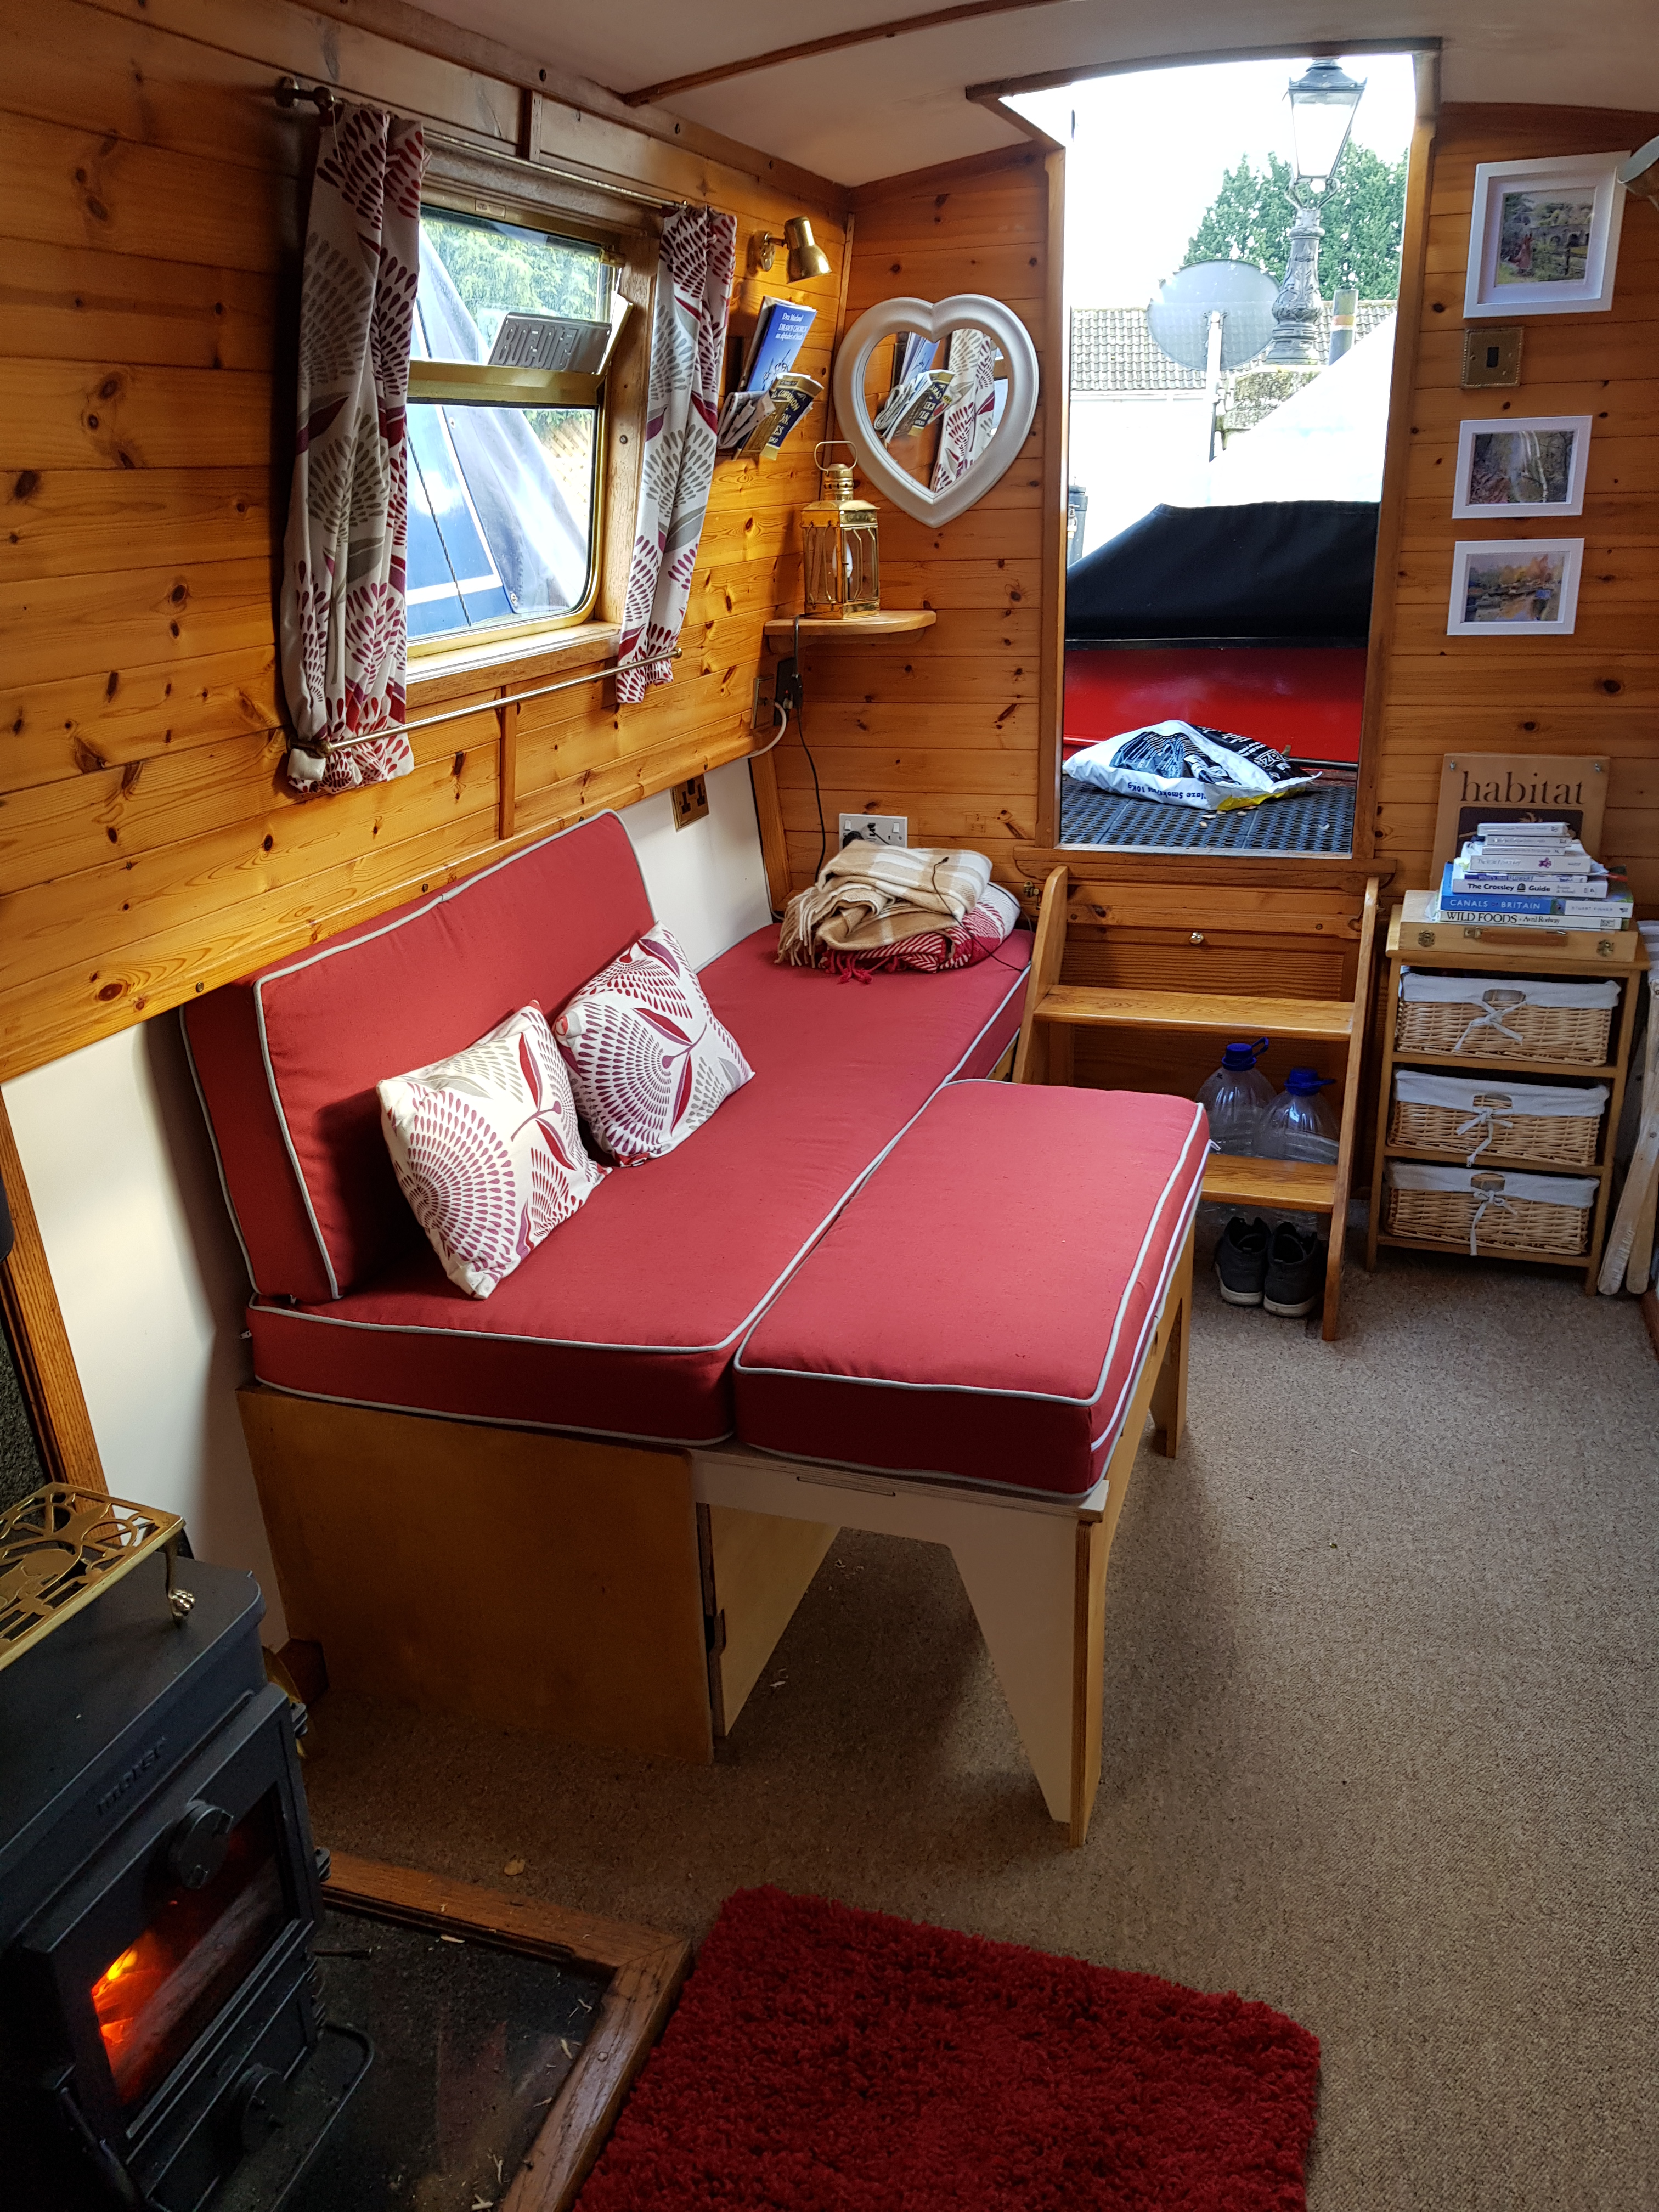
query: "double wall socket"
875, 829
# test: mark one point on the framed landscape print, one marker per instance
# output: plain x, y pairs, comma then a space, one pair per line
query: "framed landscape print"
1537, 462
1544, 237
1510, 587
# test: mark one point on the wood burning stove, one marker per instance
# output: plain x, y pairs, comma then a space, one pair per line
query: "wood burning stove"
158, 1892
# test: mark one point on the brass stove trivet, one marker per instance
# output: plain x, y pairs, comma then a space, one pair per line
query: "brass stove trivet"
60, 1547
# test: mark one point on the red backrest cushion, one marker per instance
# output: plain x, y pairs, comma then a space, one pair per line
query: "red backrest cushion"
287, 1059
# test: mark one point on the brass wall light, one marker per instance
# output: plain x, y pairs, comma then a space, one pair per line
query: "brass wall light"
806, 257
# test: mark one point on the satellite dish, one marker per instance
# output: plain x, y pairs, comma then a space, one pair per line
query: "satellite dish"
1242, 294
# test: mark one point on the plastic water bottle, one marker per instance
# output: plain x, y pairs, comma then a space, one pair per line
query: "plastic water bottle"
1299, 1125
1235, 1098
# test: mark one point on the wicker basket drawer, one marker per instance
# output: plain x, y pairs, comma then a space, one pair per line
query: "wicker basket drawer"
1557, 1124
1497, 1016
1486, 1209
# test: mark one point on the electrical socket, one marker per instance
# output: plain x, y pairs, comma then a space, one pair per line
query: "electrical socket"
690, 800
762, 717
875, 829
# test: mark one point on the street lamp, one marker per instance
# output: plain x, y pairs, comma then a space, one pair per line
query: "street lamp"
1323, 103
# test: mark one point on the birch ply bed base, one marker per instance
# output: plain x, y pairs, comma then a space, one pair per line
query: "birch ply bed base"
631, 1599
1034, 1569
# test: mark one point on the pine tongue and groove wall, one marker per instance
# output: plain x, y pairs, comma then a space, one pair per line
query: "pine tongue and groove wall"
943, 726
1596, 692
150, 198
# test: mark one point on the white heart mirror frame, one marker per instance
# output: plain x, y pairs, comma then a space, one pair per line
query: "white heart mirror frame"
964, 311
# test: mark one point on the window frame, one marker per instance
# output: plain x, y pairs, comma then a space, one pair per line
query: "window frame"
506, 190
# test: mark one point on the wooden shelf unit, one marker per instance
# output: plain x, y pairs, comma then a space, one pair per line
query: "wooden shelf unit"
884, 622
1476, 953
1055, 1012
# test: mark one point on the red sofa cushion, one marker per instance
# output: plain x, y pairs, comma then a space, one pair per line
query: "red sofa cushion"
981, 1309
287, 1059
624, 1322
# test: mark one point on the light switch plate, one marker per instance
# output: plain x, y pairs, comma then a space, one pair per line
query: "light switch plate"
690, 801
875, 829
1492, 357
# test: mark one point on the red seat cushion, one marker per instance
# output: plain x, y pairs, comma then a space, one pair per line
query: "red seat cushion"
981, 1309
287, 1059
624, 1321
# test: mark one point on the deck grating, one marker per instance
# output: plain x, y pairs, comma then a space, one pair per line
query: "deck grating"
1313, 822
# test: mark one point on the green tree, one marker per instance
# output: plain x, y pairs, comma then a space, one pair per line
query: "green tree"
1364, 214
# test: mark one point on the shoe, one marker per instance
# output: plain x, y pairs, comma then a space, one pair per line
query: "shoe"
1241, 1261
1295, 1272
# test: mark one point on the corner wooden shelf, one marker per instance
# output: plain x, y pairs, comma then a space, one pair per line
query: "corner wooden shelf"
1438, 947
885, 622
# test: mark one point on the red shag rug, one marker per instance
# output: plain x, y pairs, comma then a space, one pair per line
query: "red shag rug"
825, 2060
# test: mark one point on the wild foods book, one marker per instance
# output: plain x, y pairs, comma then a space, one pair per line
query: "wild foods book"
780, 332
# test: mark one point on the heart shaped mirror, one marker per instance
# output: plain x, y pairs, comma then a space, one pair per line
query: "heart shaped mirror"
936, 399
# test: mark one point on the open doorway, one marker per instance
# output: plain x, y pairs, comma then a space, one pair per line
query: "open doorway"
1233, 239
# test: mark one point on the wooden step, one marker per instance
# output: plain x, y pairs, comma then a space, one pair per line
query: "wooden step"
1281, 1186
1084, 1006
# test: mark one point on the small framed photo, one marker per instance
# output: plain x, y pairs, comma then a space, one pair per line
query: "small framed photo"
1537, 462
1544, 237
1503, 587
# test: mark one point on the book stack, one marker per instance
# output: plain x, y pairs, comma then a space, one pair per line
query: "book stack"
1525, 873
757, 418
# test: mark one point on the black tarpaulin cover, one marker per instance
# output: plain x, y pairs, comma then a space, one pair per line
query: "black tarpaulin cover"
1295, 570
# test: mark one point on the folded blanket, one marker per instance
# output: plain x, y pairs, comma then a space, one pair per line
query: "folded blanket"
934, 951
868, 897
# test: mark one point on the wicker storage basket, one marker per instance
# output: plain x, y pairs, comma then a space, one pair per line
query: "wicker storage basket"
1485, 1209
1556, 1124
1499, 1017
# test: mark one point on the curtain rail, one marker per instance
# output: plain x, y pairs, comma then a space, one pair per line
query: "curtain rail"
289, 93
564, 684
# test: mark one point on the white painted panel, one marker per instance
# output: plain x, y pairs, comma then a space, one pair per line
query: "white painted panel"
151, 1282
707, 881
147, 1267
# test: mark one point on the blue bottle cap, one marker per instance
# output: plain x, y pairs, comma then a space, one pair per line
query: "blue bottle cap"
1307, 1078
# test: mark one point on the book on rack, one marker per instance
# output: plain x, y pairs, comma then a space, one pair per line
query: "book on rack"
780, 329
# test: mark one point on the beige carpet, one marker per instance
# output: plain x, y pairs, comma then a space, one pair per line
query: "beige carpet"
1380, 1742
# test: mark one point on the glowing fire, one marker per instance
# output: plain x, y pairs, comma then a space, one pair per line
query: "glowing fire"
123, 1991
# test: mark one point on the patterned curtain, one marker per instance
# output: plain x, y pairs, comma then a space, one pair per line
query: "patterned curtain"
969, 421
687, 335
343, 620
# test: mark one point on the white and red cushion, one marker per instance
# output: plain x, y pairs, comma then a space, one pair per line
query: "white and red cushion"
485, 1147
648, 1061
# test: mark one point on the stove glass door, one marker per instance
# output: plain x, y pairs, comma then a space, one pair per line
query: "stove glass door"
198, 1947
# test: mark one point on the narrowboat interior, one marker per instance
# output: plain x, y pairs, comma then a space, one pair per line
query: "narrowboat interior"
829, 1107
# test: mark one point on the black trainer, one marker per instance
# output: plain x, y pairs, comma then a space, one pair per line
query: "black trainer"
1241, 1261
1295, 1272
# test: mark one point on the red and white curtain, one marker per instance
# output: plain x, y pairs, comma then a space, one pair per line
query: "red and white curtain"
970, 419
344, 618
687, 337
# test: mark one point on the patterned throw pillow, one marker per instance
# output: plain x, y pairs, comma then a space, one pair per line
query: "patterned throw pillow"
486, 1147
648, 1060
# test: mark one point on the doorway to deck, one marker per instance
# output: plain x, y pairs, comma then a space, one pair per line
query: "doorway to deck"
1233, 241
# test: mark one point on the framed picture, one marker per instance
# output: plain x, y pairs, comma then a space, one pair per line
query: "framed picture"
1504, 586
1544, 237
1537, 462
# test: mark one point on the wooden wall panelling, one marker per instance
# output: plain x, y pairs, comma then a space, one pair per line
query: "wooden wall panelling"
942, 727
1595, 692
148, 846
34, 1326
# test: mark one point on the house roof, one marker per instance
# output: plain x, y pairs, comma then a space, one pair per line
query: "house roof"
1113, 350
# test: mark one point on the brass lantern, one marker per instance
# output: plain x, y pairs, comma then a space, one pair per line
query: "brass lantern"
838, 546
